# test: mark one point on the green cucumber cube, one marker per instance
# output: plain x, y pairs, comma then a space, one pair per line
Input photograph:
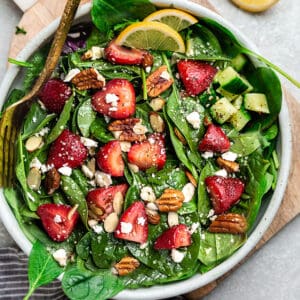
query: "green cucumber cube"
222, 110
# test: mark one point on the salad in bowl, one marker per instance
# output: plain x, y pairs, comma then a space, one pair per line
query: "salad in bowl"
150, 155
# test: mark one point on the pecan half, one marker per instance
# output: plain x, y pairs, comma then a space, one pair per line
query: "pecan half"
127, 130
153, 216
147, 60
158, 81
52, 181
126, 265
170, 200
230, 166
229, 223
88, 79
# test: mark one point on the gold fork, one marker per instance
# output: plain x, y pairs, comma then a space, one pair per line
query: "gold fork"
13, 116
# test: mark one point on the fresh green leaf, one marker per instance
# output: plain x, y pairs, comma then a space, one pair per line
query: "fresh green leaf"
99, 130
20, 30
85, 117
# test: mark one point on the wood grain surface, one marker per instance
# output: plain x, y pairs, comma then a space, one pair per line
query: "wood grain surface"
45, 11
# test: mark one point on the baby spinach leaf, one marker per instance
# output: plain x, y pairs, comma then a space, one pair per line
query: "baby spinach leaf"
81, 180
83, 247
99, 130
85, 117
42, 268
246, 143
96, 38
79, 284
114, 11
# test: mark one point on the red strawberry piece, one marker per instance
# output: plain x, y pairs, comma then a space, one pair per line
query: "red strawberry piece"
67, 151
56, 220
224, 192
133, 225
195, 75
109, 159
54, 95
175, 237
116, 100
127, 56
149, 153
214, 140
100, 201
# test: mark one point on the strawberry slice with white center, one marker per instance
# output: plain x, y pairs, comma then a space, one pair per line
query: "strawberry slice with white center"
149, 153
133, 224
109, 159
100, 201
224, 192
195, 75
116, 100
175, 237
58, 220
67, 151
214, 140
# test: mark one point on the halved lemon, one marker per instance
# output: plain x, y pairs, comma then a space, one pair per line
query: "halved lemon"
151, 35
254, 5
175, 18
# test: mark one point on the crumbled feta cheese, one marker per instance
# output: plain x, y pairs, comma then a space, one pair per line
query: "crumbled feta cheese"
57, 219
88, 142
92, 222
107, 119
231, 156
96, 52
46, 168
165, 75
61, 257
177, 256
188, 192
35, 163
67, 171
222, 173
194, 227
210, 213
126, 227
148, 69
43, 131
144, 245
103, 179
87, 172
110, 98
72, 73
147, 194
97, 228
207, 154
141, 221
194, 119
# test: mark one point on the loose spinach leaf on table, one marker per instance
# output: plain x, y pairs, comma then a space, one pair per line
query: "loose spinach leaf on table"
42, 268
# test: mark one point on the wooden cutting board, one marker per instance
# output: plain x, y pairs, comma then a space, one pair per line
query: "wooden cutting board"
43, 12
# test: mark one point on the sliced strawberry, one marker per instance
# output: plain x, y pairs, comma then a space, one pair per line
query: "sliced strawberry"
224, 192
67, 151
195, 75
100, 201
133, 225
214, 140
149, 153
109, 159
54, 95
116, 100
175, 237
56, 220
127, 56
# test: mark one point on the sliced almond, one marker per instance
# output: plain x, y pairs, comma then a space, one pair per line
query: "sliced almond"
72, 212
34, 179
157, 104
33, 143
118, 202
173, 219
111, 222
157, 123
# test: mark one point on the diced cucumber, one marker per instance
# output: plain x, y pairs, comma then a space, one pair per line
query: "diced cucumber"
222, 110
237, 103
239, 62
216, 77
226, 94
231, 81
240, 119
256, 102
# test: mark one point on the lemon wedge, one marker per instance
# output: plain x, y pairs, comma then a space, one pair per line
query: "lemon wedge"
177, 19
151, 35
254, 5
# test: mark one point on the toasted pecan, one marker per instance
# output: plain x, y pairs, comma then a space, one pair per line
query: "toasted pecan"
88, 79
52, 181
126, 265
170, 200
230, 166
153, 216
229, 223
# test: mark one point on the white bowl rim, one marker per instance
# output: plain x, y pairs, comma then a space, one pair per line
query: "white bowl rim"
198, 280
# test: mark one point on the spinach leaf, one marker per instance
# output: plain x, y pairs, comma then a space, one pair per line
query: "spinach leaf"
114, 11
81, 180
83, 248
85, 117
246, 143
42, 268
97, 38
99, 130
80, 284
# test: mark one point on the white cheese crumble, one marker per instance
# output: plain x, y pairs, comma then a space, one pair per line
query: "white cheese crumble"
43, 131
35, 163
61, 257
194, 227
231, 156
88, 142
97, 52
188, 192
103, 179
139, 128
67, 171
207, 154
87, 172
165, 75
177, 256
57, 219
222, 173
147, 194
210, 213
111, 98
97, 228
148, 69
194, 119
72, 73
46, 168
141, 221
126, 227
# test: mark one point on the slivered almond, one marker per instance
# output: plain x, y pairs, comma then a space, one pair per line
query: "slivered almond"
111, 222
126, 265
229, 223
72, 212
230, 166
170, 200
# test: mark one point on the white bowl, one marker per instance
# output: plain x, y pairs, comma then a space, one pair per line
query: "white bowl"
268, 209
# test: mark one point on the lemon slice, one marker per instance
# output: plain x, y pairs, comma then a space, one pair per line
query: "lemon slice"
151, 35
254, 5
177, 19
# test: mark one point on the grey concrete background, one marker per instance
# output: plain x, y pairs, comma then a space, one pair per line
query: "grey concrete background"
274, 271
